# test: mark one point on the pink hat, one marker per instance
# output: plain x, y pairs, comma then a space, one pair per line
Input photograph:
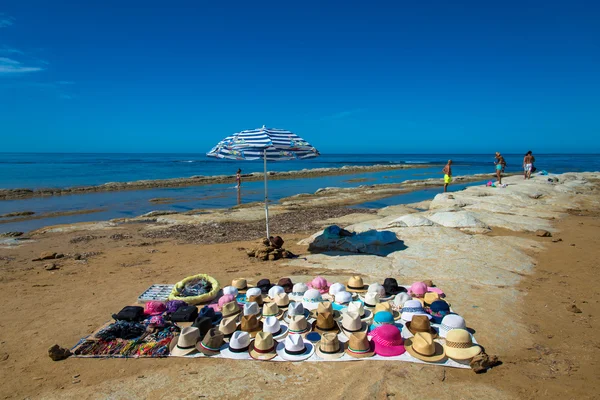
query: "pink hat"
155, 308
226, 298
320, 284
388, 341
418, 289
157, 320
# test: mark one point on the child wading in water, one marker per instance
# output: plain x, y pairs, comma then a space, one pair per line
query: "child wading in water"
447, 171
238, 178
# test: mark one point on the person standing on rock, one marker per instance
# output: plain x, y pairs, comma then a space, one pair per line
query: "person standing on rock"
528, 164
447, 171
238, 178
500, 165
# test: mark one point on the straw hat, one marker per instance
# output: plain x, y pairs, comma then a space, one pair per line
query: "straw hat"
275, 290
359, 308
356, 284
422, 347
330, 347
420, 323
274, 327
459, 345
282, 300
230, 309
371, 299
386, 307
413, 307
250, 324
400, 299
351, 323
380, 290
450, 322
298, 325
388, 341
295, 349
251, 308
185, 343
298, 291
212, 342
263, 347
295, 308
431, 297
256, 299
271, 310
238, 346
228, 326
325, 323
230, 290
241, 285
253, 292
311, 299
359, 346
326, 307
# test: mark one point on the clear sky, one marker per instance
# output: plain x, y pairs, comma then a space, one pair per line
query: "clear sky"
368, 76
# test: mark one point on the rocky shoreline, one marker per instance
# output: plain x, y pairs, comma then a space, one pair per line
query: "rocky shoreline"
199, 180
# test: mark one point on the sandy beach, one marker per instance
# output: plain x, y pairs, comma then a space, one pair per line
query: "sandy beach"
525, 317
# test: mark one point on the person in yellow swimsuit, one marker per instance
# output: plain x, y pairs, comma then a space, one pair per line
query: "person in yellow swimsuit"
447, 171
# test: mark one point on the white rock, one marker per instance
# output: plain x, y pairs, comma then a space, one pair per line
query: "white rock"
458, 219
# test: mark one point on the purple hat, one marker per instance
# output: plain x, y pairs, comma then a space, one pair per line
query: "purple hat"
173, 305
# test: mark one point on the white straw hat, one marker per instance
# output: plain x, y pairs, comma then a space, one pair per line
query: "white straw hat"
253, 292
295, 349
230, 290
298, 291
343, 297
400, 299
295, 308
275, 290
275, 328
450, 322
238, 346
413, 307
336, 288
251, 308
359, 308
311, 299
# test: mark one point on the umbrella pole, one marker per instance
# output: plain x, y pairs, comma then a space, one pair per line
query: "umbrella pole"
266, 193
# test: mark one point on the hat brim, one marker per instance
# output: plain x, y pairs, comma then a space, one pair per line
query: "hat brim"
330, 356
262, 356
366, 354
432, 330
364, 327
462, 354
438, 356
284, 332
279, 315
287, 319
337, 315
335, 329
176, 351
357, 290
309, 350
407, 316
227, 353
390, 351
208, 352
236, 314
252, 333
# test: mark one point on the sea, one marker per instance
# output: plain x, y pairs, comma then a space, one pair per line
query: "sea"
62, 170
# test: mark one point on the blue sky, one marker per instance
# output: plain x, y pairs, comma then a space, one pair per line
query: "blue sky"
379, 77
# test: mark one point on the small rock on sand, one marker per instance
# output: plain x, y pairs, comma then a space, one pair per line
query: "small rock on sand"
573, 308
57, 353
47, 255
543, 233
51, 267
482, 362
557, 240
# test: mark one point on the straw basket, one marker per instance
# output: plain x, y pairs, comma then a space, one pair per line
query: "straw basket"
204, 298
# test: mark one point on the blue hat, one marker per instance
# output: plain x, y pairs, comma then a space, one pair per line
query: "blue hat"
209, 312
383, 318
438, 310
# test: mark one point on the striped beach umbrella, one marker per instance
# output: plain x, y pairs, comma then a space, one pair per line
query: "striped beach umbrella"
267, 144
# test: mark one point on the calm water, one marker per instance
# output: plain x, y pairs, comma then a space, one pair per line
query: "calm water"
65, 170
